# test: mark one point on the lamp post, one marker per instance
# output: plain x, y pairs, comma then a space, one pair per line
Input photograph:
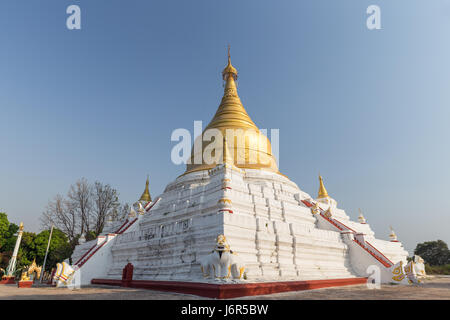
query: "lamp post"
46, 253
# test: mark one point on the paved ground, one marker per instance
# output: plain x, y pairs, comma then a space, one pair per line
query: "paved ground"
436, 288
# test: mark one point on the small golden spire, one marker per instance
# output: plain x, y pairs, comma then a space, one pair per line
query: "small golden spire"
322, 191
21, 226
229, 69
146, 195
227, 159
361, 218
392, 235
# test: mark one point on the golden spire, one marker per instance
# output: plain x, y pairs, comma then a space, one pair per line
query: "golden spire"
361, 218
251, 149
146, 195
322, 191
392, 235
227, 158
21, 226
229, 69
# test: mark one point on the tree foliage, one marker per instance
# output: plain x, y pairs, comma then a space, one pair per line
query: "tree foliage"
84, 210
4, 226
59, 250
33, 246
435, 253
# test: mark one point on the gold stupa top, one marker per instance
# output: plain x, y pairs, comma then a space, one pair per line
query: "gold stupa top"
146, 195
229, 69
322, 191
250, 148
21, 226
392, 234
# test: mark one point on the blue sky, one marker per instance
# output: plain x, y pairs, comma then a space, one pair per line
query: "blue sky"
368, 109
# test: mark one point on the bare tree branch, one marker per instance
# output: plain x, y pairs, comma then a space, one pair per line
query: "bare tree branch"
59, 213
106, 203
80, 198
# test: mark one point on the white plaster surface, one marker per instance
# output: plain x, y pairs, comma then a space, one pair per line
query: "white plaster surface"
264, 220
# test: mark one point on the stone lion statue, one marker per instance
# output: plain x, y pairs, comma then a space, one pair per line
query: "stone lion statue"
222, 263
419, 266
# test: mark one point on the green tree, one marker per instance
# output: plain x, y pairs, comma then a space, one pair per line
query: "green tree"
91, 235
434, 253
4, 226
32, 246
7, 239
27, 249
60, 248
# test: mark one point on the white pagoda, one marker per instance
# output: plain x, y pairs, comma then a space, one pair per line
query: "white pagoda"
279, 232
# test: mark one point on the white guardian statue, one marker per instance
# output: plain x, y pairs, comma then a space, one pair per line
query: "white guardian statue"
222, 263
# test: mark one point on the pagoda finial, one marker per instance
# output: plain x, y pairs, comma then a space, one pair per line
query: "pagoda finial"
322, 191
361, 218
392, 235
146, 195
229, 69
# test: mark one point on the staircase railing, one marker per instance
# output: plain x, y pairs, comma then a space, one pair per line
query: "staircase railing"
374, 252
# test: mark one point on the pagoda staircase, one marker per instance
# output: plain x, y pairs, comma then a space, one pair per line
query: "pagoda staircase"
356, 242
92, 259
101, 241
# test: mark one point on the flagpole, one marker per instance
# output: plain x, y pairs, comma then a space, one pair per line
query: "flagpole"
46, 253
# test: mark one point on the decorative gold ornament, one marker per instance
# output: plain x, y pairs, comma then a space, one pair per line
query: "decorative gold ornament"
361, 218
397, 272
409, 267
229, 69
328, 213
224, 200
392, 235
322, 191
146, 195
315, 208
24, 276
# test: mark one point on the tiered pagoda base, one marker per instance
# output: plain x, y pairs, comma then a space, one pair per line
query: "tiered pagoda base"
283, 239
226, 291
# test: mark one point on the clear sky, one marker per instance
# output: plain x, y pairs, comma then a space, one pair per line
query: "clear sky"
369, 109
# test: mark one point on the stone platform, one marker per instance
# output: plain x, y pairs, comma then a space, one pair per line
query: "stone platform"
226, 291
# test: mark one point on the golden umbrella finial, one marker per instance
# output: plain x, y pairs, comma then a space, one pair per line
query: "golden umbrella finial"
146, 195
229, 69
392, 235
361, 218
322, 191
